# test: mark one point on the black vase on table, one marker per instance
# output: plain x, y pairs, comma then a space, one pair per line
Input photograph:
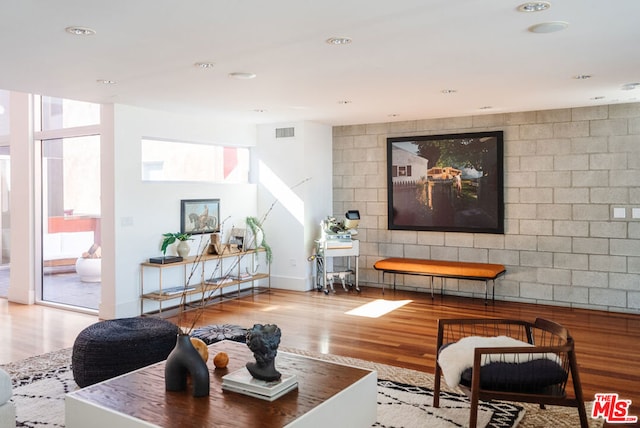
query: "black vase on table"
185, 361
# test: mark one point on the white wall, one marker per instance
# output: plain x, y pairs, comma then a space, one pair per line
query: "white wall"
136, 213
22, 203
296, 174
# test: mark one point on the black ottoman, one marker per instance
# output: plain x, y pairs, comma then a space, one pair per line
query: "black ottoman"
110, 348
217, 332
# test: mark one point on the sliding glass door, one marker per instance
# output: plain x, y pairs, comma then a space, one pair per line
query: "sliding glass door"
71, 252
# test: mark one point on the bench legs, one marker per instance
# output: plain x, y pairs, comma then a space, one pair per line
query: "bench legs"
486, 290
486, 286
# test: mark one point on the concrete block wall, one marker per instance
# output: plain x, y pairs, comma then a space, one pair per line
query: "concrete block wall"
565, 172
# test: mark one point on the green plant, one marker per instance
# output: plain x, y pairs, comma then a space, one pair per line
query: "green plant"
254, 224
170, 238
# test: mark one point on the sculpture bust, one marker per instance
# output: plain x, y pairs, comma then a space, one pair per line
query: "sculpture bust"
263, 340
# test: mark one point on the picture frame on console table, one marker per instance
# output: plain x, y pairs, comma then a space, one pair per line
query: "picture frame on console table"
449, 183
198, 216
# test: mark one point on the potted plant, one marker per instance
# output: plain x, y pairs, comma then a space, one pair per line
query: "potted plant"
183, 247
256, 239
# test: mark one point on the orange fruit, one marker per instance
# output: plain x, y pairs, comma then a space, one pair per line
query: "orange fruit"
201, 347
221, 360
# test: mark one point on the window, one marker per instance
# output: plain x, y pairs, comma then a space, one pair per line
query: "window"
180, 161
58, 113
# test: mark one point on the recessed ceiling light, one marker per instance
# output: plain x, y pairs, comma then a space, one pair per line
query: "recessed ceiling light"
549, 27
338, 40
242, 75
536, 6
106, 82
449, 91
582, 76
80, 31
630, 86
204, 64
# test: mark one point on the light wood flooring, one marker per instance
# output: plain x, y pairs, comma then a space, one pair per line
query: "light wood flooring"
28, 330
607, 344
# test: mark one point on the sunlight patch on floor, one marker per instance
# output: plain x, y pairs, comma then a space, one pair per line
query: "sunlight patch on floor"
377, 308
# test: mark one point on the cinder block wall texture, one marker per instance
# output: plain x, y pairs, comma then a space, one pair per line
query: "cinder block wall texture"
565, 172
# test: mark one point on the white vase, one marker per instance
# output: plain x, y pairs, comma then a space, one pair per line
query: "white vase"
254, 241
183, 249
90, 270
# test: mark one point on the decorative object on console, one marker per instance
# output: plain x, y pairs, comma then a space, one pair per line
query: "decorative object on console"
236, 239
165, 260
183, 246
183, 360
263, 340
215, 246
254, 237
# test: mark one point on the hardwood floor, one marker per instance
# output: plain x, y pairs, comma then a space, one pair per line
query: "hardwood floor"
28, 330
607, 344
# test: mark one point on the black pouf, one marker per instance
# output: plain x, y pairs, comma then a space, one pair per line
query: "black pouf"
110, 348
217, 332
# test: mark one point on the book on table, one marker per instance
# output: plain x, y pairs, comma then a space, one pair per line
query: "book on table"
170, 291
243, 382
219, 280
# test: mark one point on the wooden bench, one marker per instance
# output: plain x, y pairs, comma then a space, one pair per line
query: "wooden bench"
443, 269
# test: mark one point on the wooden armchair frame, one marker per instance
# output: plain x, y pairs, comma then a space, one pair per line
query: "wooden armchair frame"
546, 336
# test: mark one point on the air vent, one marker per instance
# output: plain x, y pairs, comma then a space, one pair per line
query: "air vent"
285, 132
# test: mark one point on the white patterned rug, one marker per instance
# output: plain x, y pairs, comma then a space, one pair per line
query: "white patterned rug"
404, 397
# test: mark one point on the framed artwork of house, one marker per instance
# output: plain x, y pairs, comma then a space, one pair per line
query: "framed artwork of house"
451, 183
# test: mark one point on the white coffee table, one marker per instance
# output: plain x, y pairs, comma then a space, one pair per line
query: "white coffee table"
328, 395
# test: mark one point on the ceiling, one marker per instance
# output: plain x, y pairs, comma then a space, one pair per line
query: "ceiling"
404, 56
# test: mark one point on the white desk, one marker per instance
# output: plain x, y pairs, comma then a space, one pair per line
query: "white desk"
325, 250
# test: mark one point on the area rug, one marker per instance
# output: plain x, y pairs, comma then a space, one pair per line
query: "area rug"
404, 397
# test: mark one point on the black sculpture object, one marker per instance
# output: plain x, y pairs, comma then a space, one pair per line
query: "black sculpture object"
184, 360
263, 340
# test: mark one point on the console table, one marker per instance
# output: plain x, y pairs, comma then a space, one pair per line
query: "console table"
328, 394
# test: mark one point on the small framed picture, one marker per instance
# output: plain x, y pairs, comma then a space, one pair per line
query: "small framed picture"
199, 216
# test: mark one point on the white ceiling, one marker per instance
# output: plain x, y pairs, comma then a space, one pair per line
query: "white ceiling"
403, 55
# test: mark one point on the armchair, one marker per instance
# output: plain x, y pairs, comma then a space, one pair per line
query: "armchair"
509, 360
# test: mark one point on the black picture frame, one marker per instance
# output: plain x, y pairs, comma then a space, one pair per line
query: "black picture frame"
460, 190
198, 216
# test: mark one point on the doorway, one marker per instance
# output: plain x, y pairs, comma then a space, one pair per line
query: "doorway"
71, 252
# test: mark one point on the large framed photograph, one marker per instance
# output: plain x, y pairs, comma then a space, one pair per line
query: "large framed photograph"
199, 216
451, 183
